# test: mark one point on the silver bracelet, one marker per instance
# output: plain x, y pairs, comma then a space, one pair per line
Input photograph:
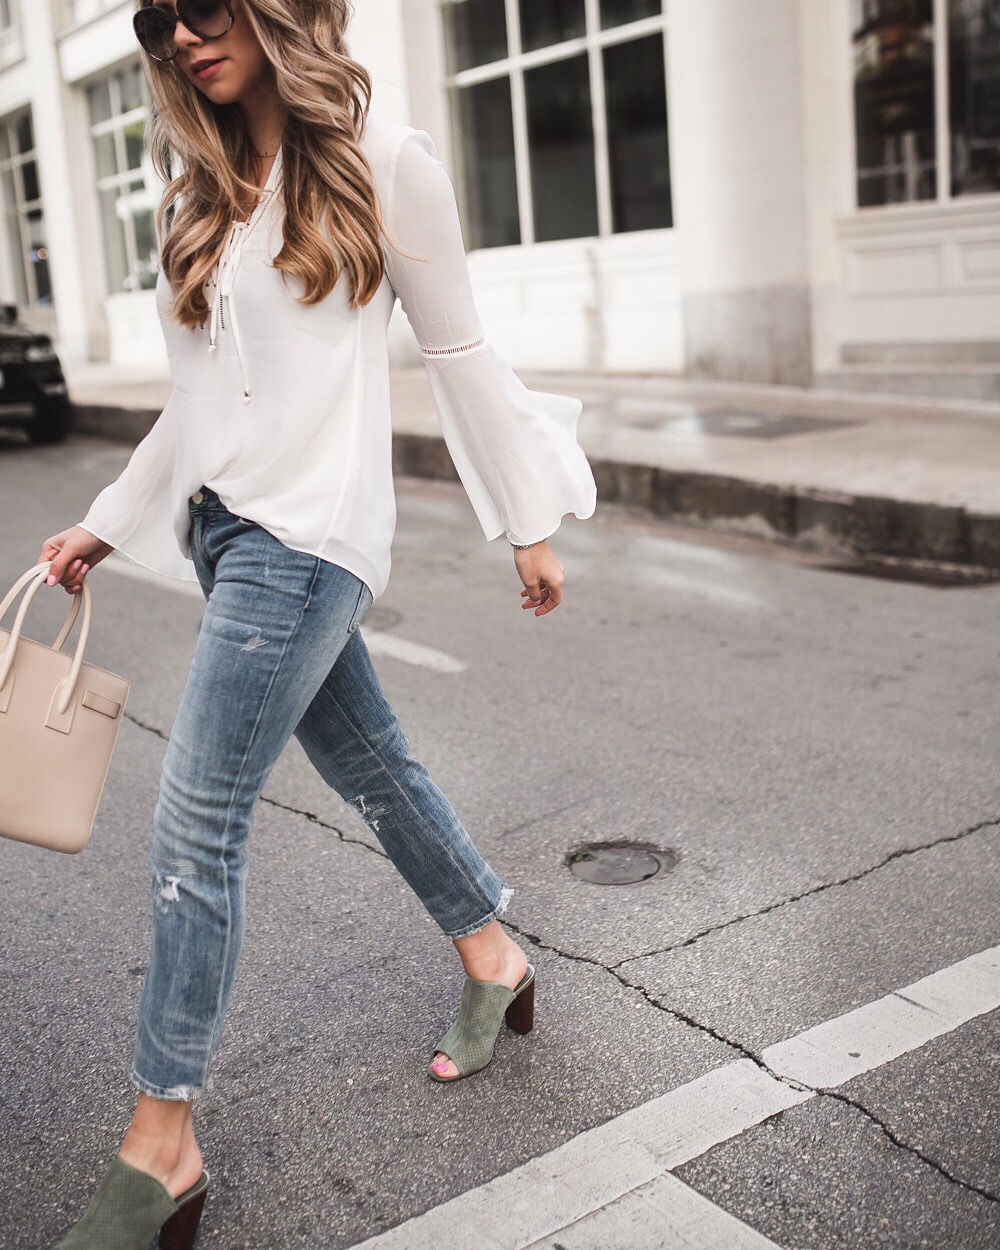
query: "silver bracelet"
524, 546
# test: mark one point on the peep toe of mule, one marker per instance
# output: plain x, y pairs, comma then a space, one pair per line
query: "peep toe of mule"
131, 1207
485, 1005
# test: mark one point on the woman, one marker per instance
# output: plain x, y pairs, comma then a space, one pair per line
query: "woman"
294, 225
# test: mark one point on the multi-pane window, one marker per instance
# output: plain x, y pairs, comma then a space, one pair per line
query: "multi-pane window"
24, 216
927, 117
560, 117
974, 95
119, 107
11, 43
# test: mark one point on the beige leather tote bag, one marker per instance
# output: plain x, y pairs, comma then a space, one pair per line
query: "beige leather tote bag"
59, 719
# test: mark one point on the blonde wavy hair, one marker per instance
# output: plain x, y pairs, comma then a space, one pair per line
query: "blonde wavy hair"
332, 221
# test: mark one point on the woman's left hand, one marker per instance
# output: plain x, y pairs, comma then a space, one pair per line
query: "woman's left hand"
542, 575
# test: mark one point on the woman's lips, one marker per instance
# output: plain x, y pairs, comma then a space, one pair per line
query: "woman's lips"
205, 69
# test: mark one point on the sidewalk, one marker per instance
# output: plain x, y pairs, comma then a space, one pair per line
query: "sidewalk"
850, 475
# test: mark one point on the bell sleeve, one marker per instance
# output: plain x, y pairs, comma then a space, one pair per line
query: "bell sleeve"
138, 514
515, 450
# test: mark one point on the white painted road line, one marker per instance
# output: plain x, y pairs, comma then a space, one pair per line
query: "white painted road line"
842, 1049
394, 648
388, 646
599, 1168
725, 1102
575, 1195
663, 1213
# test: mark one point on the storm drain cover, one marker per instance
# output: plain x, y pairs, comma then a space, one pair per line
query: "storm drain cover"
619, 863
380, 620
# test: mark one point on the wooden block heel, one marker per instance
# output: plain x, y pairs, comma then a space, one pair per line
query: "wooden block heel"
520, 1015
181, 1229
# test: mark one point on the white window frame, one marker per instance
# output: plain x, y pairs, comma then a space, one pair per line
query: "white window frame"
21, 207
942, 129
513, 68
115, 126
11, 49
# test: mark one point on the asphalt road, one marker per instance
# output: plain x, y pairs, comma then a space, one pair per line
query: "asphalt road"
820, 751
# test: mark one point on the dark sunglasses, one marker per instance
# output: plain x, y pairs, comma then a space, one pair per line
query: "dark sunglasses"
155, 25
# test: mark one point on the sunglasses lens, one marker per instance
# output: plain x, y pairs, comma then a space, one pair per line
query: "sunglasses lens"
208, 19
154, 28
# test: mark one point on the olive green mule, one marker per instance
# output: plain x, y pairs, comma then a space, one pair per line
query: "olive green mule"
485, 1005
131, 1207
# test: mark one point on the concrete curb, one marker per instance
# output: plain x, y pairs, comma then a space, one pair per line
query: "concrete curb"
121, 425
864, 526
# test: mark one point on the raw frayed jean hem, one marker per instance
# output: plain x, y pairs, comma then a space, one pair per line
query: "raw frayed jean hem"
169, 1093
505, 897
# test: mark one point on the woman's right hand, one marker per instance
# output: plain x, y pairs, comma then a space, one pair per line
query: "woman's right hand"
73, 553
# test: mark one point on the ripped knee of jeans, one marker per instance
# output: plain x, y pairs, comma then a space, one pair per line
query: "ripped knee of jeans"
370, 813
168, 890
168, 881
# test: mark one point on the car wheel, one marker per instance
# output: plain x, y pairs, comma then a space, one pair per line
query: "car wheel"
52, 425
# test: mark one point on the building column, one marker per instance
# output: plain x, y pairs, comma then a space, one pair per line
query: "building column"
75, 308
376, 39
739, 188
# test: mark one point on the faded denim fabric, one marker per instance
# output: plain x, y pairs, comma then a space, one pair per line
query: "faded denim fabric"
279, 653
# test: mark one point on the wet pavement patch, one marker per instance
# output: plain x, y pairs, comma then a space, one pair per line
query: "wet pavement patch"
918, 572
620, 863
739, 423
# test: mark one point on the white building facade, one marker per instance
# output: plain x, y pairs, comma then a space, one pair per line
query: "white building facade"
788, 191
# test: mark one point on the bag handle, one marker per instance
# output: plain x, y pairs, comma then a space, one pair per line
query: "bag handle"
64, 633
34, 579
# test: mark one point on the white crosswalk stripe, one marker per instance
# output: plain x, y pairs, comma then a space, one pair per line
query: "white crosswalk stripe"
611, 1188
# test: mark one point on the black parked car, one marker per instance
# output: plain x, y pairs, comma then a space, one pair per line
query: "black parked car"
33, 392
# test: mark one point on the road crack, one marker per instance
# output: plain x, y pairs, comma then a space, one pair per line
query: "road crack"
150, 729
281, 807
898, 1142
903, 853
681, 1017
324, 824
650, 998
746, 1052
533, 821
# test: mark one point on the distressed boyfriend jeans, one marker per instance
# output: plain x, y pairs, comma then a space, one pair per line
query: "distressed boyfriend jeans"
279, 652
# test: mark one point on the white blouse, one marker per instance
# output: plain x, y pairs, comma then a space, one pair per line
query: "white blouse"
283, 409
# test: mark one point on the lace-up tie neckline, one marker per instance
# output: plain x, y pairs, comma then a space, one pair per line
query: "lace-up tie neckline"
224, 314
